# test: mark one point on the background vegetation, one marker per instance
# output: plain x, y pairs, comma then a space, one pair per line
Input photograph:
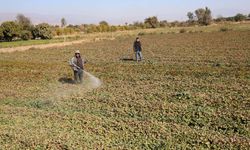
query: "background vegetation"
23, 29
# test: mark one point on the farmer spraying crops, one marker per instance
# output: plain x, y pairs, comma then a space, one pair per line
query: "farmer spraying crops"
138, 49
77, 64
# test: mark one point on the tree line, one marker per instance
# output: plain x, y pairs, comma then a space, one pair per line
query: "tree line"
23, 29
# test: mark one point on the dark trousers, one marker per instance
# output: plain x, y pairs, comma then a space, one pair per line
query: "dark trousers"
78, 76
138, 55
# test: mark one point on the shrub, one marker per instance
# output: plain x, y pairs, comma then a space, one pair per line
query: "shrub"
163, 23
141, 33
10, 30
224, 29
59, 32
1, 34
152, 22
63, 22
68, 31
26, 35
204, 16
240, 17
24, 22
183, 31
42, 31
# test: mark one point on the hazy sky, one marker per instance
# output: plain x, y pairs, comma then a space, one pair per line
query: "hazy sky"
115, 11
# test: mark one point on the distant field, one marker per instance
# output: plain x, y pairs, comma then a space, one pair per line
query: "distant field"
212, 28
190, 92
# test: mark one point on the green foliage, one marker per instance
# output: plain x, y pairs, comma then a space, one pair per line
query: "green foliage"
26, 35
103, 26
1, 33
10, 30
190, 16
175, 24
63, 22
163, 23
69, 31
240, 17
204, 16
103, 23
138, 24
114, 28
42, 31
231, 19
220, 19
151, 22
24, 22
58, 31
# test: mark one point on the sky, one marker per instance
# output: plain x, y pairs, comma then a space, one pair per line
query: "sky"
115, 11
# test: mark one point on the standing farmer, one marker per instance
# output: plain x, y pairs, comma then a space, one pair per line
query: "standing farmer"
138, 49
77, 64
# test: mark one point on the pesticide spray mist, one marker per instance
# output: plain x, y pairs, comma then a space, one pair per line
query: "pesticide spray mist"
93, 82
65, 91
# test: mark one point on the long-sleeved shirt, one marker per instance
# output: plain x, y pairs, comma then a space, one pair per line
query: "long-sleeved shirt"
77, 63
137, 46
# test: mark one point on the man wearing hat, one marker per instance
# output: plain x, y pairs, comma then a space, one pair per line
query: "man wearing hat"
77, 64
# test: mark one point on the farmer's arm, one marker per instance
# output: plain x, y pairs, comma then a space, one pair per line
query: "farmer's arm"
134, 47
73, 63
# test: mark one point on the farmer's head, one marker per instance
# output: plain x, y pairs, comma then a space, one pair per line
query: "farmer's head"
137, 39
77, 54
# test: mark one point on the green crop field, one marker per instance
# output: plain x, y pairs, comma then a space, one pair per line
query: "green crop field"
192, 91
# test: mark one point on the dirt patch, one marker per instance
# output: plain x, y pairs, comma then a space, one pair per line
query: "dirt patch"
42, 46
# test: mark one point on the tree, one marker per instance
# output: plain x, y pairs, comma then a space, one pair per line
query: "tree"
1, 33
103, 26
230, 19
163, 23
138, 24
104, 23
204, 16
42, 31
240, 17
175, 24
220, 19
10, 30
63, 22
249, 15
190, 16
24, 22
152, 22
114, 28
26, 35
